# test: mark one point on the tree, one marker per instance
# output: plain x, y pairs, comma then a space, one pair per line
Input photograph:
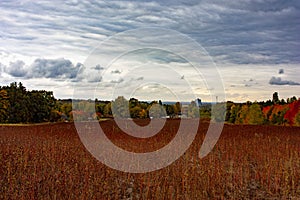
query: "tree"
136, 112
107, 110
229, 104
19, 104
120, 108
143, 114
177, 108
160, 102
156, 111
255, 114
133, 102
275, 99
4, 105
41, 105
242, 115
297, 119
169, 110
278, 118
234, 110
99, 107
205, 111
219, 112
66, 108
293, 99
193, 110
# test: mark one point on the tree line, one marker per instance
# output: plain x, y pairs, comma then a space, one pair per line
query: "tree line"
270, 112
18, 105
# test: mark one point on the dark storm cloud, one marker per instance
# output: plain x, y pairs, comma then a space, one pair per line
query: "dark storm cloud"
279, 81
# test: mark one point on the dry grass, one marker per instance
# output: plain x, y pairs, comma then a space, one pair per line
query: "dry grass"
248, 162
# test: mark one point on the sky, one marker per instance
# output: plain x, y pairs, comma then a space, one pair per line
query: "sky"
174, 49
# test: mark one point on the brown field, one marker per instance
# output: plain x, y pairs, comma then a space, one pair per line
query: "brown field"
249, 162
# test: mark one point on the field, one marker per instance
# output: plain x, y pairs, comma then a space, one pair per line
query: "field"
249, 162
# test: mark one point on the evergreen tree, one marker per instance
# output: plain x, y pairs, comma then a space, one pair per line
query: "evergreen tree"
234, 113
275, 99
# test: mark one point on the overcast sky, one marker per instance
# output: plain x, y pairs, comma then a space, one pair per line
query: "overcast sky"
253, 44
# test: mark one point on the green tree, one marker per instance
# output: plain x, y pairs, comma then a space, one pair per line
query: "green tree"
297, 119
133, 102
205, 111
229, 104
177, 108
255, 114
135, 112
234, 110
107, 112
41, 104
66, 109
293, 99
4, 105
169, 110
19, 103
22, 106
242, 115
99, 107
278, 118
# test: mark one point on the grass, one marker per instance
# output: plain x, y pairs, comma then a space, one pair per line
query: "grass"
248, 162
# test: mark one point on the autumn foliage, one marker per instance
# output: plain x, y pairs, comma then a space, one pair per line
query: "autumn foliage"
294, 109
271, 113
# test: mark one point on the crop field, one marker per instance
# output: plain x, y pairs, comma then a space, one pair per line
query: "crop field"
248, 162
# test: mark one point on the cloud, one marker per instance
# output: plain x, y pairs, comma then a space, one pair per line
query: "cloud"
17, 69
117, 81
53, 68
242, 34
98, 67
116, 71
88, 75
2, 68
233, 32
44, 68
279, 81
95, 79
281, 71
250, 82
